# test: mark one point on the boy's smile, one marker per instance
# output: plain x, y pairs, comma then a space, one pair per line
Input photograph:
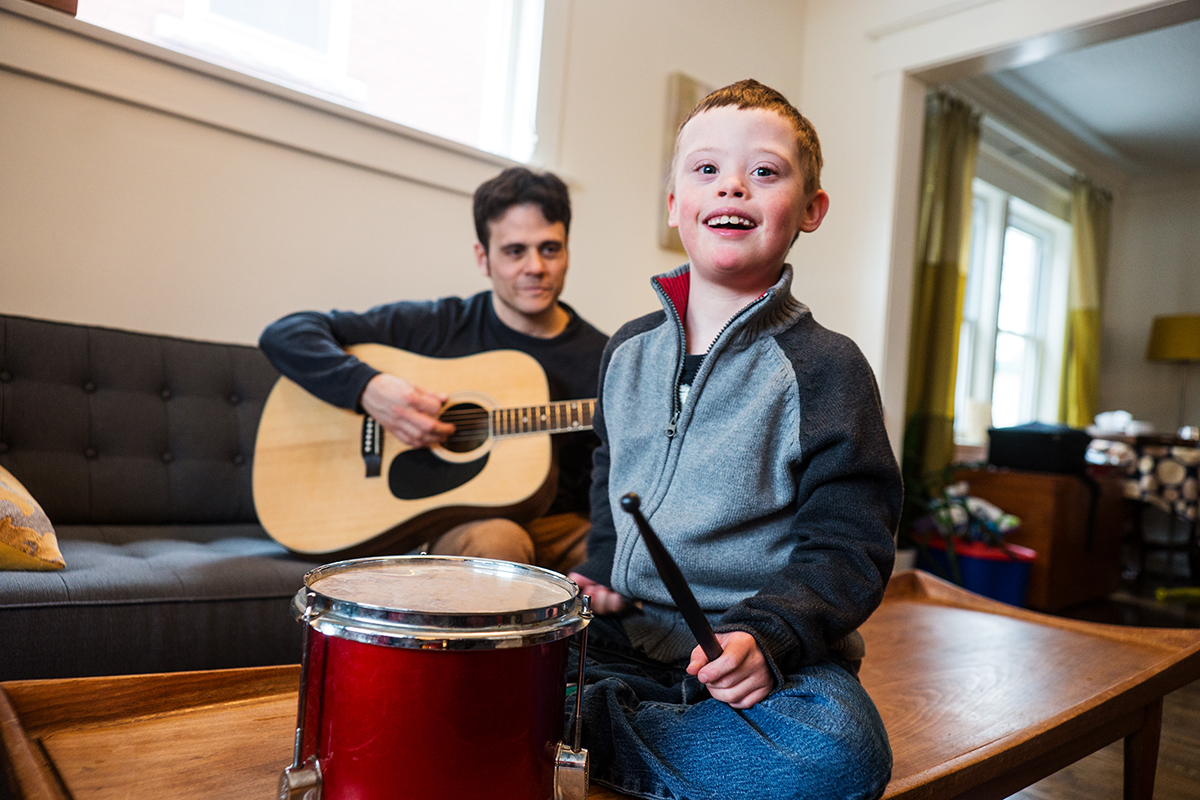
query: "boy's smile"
738, 198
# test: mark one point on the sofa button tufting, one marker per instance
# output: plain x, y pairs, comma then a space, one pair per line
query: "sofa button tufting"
89, 387
90, 453
234, 399
165, 394
239, 459
5, 376
167, 458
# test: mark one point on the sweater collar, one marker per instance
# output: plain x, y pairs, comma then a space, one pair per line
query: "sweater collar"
776, 310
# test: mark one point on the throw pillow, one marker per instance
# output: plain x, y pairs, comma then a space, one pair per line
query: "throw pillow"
27, 539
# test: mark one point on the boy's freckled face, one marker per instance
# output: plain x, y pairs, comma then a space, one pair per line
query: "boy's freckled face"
739, 198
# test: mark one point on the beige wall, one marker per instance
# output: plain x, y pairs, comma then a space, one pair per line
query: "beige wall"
866, 66
1155, 269
141, 194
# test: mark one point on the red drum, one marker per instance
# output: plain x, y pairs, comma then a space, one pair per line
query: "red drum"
433, 676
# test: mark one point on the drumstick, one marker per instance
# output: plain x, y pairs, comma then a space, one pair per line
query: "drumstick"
668, 570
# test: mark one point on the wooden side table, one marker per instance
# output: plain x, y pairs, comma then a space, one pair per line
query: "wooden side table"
1078, 545
980, 699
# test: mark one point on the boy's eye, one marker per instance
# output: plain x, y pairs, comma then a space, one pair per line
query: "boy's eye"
763, 172
708, 169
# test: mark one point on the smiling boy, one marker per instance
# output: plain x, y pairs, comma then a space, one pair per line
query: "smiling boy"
755, 439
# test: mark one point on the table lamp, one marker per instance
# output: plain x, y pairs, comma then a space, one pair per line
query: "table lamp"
1176, 337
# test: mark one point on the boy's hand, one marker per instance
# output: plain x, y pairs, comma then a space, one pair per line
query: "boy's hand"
406, 411
740, 677
604, 599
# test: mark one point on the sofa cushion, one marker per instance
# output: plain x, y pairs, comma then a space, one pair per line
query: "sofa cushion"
27, 540
152, 601
110, 426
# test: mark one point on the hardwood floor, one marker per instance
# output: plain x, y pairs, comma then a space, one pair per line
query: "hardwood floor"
1099, 776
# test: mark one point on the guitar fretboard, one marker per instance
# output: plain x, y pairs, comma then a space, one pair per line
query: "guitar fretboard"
569, 415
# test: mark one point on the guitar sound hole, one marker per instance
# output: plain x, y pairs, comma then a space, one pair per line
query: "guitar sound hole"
470, 427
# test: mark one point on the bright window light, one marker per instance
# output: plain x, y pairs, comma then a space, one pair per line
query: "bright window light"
1014, 315
465, 70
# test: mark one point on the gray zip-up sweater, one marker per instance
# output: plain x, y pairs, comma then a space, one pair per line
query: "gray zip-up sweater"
773, 485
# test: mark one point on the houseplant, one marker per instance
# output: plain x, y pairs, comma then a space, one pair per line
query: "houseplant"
961, 538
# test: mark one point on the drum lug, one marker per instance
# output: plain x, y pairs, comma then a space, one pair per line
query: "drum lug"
301, 783
571, 773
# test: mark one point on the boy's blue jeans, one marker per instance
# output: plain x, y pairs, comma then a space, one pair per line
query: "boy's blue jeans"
653, 731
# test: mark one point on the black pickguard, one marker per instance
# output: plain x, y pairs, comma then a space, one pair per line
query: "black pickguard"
415, 474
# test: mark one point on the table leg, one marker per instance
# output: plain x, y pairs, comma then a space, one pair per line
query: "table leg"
1193, 551
1141, 754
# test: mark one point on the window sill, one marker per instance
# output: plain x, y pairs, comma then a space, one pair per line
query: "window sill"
45, 44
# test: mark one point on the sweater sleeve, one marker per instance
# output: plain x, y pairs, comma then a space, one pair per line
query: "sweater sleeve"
846, 512
305, 347
308, 347
602, 539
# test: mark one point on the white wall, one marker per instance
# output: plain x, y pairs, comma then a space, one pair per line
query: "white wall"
866, 66
614, 113
142, 194
1155, 269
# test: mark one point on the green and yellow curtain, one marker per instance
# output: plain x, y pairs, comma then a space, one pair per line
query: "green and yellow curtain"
942, 260
1091, 211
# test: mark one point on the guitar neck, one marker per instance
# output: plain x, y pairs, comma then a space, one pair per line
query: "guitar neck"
563, 417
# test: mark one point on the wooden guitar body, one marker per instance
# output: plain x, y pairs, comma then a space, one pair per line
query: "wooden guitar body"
310, 482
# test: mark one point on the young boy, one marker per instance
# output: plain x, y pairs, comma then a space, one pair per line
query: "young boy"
755, 439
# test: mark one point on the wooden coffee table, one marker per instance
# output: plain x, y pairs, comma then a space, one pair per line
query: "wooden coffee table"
980, 700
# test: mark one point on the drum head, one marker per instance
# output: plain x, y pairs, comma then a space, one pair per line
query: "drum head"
421, 601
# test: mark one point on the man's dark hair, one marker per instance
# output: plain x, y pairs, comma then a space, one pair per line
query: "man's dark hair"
517, 186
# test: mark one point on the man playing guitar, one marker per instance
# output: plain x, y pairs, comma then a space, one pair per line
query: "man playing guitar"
522, 221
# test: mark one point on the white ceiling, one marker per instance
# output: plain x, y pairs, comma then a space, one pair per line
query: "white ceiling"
1134, 101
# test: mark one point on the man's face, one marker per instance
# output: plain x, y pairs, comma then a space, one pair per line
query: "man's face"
739, 197
526, 259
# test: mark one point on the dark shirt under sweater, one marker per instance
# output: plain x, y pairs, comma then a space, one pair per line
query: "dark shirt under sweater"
307, 347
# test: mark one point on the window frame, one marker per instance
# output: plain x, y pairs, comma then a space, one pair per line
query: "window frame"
511, 94
994, 212
58, 48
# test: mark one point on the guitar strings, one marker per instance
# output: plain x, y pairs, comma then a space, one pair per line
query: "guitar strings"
474, 423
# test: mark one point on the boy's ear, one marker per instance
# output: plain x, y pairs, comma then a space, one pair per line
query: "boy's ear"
672, 211
814, 212
481, 261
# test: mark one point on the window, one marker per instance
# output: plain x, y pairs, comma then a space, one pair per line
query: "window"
465, 71
1010, 345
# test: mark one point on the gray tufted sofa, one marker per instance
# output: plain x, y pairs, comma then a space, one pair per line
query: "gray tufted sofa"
139, 449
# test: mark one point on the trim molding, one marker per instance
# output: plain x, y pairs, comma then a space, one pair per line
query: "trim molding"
46, 45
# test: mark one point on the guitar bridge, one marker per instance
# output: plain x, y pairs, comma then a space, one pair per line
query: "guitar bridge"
372, 446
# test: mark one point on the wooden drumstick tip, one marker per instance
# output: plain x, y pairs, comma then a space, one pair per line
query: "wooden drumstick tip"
631, 502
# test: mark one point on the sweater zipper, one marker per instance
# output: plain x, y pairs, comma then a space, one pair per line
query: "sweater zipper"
676, 406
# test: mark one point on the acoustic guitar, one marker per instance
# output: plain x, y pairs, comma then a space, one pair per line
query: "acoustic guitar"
331, 483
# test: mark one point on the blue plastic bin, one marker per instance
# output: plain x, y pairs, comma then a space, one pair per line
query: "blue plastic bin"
999, 573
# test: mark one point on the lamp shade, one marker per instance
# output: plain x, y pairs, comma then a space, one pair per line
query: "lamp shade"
1175, 338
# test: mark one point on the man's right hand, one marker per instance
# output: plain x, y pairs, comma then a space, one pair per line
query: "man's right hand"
406, 411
